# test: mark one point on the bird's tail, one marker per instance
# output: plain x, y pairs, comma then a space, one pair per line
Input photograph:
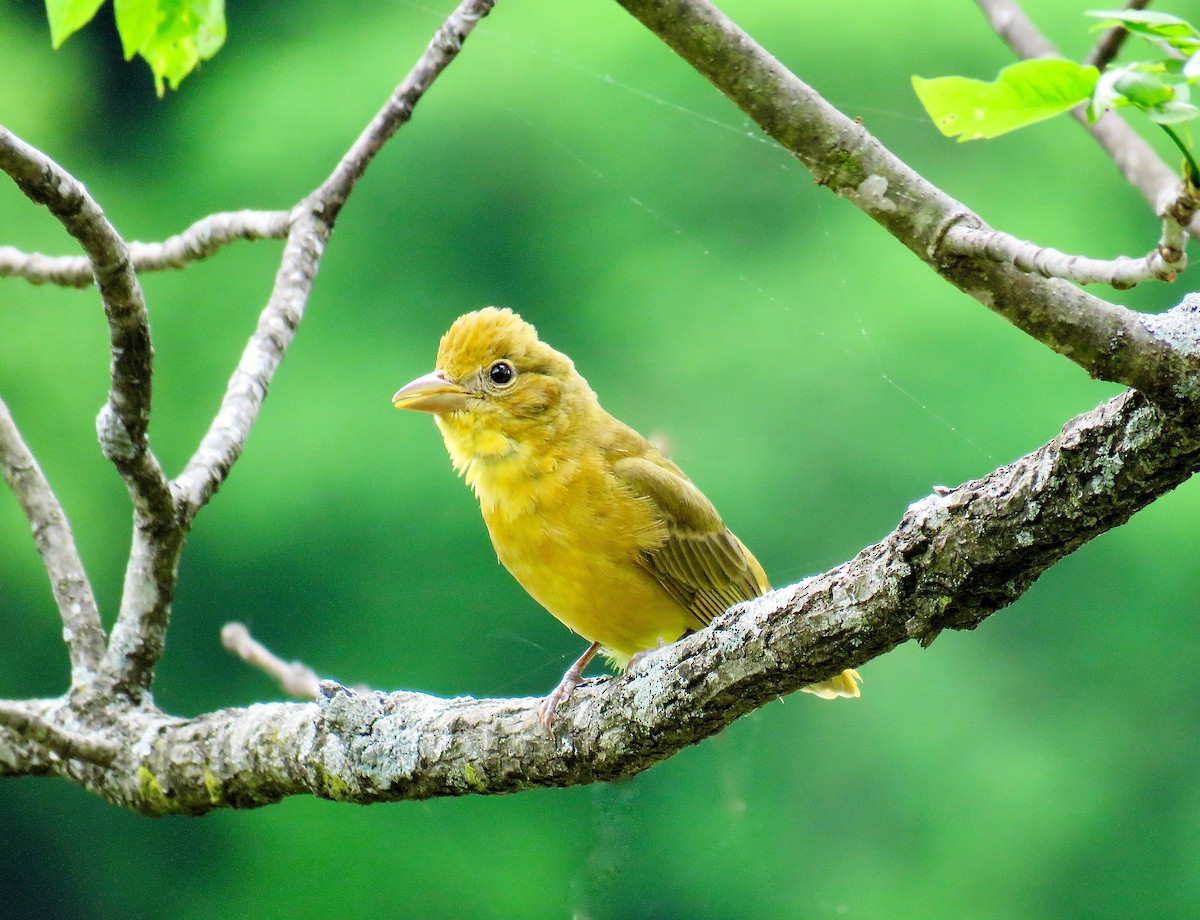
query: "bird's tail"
844, 684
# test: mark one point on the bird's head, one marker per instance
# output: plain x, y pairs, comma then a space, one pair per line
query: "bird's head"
495, 375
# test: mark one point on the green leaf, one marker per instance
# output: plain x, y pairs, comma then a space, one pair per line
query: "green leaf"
1022, 94
1162, 27
137, 21
69, 16
1143, 89
173, 36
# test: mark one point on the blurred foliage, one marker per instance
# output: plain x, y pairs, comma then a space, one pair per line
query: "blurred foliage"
810, 374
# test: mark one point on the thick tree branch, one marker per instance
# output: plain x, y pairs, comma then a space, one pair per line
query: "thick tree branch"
25, 719
82, 630
200, 240
1108, 341
1136, 160
955, 558
124, 419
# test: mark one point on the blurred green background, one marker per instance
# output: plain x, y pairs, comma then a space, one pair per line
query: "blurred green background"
811, 376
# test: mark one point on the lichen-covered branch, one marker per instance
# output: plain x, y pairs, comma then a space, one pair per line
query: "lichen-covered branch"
30, 719
139, 635
82, 630
955, 558
125, 418
200, 240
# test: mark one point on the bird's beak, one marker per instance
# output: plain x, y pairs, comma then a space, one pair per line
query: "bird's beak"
432, 393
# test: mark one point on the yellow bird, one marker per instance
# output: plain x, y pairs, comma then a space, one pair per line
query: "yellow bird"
594, 522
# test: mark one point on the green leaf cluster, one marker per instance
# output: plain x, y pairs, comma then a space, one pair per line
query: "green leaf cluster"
172, 36
1034, 90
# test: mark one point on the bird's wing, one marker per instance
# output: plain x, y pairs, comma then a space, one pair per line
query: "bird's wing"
700, 563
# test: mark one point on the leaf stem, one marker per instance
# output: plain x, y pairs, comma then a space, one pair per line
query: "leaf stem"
1193, 169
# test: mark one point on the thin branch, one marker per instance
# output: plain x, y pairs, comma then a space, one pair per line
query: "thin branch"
200, 240
139, 633
1107, 340
1162, 264
82, 629
123, 421
312, 224
955, 558
72, 745
1136, 160
294, 677
1109, 46
1017, 30
442, 49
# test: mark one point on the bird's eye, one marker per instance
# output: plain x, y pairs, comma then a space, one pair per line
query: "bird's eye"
501, 373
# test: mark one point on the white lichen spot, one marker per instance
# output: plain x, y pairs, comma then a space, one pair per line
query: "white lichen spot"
114, 436
872, 194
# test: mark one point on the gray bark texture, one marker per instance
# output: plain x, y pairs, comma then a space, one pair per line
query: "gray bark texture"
955, 557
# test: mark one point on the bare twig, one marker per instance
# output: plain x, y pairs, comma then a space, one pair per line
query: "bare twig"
1111, 41
123, 421
294, 677
200, 240
311, 226
1009, 21
21, 717
443, 48
1137, 161
82, 629
1163, 263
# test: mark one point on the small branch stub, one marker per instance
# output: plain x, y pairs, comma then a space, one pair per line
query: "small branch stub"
295, 678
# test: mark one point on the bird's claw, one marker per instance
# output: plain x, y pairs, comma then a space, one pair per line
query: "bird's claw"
559, 694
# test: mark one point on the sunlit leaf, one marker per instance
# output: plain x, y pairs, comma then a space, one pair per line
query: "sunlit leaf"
173, 35
1163, 27
68, 16
137, 21
1022, 94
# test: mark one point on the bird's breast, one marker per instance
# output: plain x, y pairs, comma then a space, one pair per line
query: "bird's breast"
571, 534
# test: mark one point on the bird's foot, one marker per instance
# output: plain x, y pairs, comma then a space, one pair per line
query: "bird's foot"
550, 704
637, 657
570, 681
